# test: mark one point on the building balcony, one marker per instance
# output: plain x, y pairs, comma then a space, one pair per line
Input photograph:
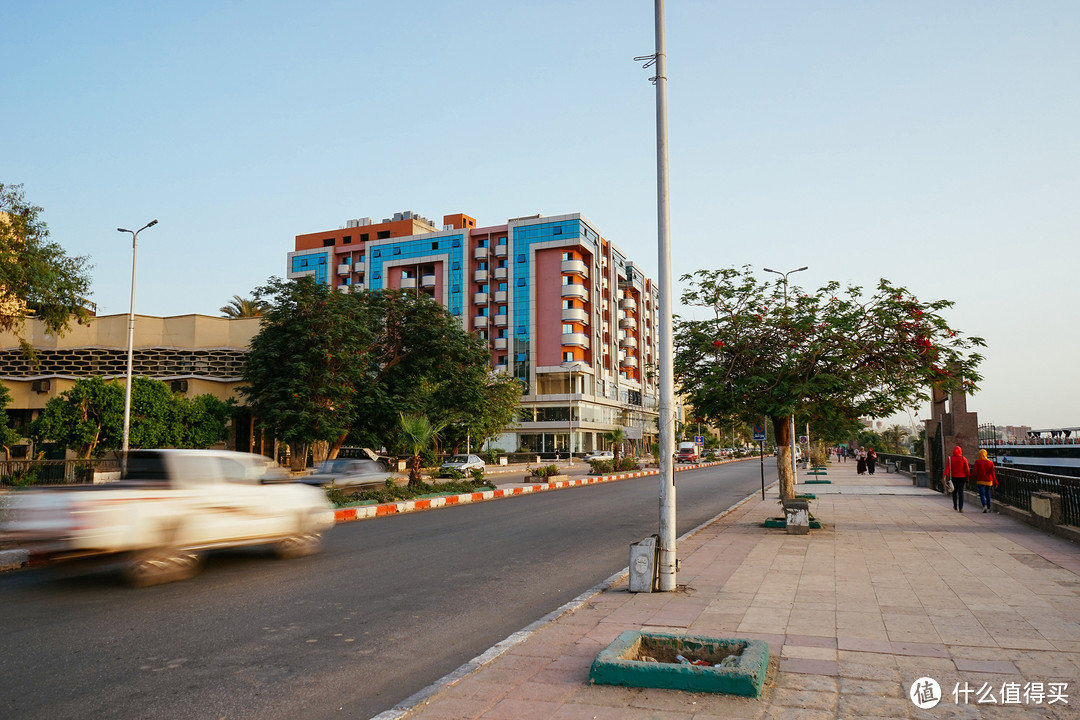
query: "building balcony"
580, 340
500, 367
500, 320
344, 269
628, 323
359, 266
480, 276
408, 283
628, 362
502, 250
627, 304
575, 267
343, 288
427, 281
575, 315
480, 253
500, 273
480, 321
480, 298
628, 342
500, 296
500, 343
575, 291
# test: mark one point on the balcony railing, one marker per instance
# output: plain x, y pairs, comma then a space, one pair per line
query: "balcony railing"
480, 275
575, 315
480, 253
408, 283
427, 281
580, 340
576, 291
480, 298
575, 267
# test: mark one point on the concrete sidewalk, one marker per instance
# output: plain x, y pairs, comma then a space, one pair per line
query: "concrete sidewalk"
895, 587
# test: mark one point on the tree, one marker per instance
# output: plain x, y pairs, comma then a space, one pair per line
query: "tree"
36, 276
89, 418
240, 307
416, 435
616, 438
8, 435
831, 355
343, 366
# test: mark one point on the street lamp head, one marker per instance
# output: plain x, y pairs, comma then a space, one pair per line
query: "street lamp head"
152, 223
804, 267
122, 230
772, 271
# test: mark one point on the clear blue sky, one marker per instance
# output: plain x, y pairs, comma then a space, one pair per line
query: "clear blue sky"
935, 143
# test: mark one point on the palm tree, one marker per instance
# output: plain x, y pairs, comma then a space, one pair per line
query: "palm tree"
417, 434
616, 437
240, 307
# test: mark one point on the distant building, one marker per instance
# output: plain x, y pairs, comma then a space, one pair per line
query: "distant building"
560, 307
193, 354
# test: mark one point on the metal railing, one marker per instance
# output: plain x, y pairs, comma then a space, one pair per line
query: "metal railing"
904, 463
1015, 488
53, 472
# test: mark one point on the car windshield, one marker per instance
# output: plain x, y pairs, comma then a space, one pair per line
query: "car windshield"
459, 459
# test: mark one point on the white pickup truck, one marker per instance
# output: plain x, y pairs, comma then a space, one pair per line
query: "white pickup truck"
171, 506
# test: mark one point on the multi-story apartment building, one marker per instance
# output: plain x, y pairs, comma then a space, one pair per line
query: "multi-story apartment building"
560, 307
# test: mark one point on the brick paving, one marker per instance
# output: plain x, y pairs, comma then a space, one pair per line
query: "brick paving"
896, 586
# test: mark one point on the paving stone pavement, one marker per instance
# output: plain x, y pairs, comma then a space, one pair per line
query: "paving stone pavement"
895, 587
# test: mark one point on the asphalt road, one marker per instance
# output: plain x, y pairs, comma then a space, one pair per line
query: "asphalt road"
391, 605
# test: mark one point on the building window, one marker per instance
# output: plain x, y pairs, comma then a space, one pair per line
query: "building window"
328, 242
397, 251
455, 266
383, 234
434, 246
567, 328
568, 357
376, 253
521, 282
347, 239
521, 258
456, 242
376, 276
557, 230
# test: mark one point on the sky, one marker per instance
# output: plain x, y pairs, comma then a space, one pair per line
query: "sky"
934, 143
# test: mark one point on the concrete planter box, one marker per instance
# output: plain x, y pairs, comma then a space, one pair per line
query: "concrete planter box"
797, 517
548, 479
623, 663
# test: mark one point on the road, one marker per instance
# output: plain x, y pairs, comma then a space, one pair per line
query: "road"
390, 606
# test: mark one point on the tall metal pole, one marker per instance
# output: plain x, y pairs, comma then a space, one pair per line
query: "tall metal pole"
791, 418
130, 347
667, 561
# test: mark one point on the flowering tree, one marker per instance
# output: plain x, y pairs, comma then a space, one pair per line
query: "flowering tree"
832, 354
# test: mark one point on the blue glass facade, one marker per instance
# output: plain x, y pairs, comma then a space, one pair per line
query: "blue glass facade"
306, 263
451, 247
524, 237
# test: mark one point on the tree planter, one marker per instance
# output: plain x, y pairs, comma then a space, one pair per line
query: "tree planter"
727, 665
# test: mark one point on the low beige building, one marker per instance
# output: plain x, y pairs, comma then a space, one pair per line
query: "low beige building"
194, 354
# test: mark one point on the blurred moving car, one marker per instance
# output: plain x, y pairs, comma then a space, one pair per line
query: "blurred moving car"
167, 511
462, 463
599, 455
348, 472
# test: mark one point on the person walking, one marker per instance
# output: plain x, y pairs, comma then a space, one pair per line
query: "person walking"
860, 462
871, 460
957, 469
985, 479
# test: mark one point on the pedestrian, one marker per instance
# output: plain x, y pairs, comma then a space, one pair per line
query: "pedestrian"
957, 469
843, 453
871, 460
860, 462
985, 478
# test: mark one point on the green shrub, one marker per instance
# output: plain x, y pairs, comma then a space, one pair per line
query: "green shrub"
628, 463
21, 478
452, 473
600, 467
491, 457
544, 471
477, 474
392, 492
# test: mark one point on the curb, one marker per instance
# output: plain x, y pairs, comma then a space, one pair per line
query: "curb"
365, 512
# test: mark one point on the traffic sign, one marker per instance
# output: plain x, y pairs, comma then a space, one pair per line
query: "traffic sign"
699, 439
759, 432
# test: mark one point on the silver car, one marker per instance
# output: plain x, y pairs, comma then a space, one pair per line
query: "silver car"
348, 472
462, 463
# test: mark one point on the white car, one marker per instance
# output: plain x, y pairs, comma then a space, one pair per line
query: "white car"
462, 463
599, 455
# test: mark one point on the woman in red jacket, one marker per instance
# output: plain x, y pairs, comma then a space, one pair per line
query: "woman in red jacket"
957, 469
985, 479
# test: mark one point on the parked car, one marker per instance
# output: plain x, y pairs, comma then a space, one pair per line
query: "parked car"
462, 463
599, 455
348, 472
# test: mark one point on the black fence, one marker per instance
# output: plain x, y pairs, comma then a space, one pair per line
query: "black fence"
1015, 488
20, 473
904, 463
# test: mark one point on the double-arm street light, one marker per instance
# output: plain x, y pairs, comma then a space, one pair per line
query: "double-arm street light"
791, 418
131, 345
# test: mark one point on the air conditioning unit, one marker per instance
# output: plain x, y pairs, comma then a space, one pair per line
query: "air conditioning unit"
40, 386
178, 385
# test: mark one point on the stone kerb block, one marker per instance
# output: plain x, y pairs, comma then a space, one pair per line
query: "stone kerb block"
797, 517
1046, 509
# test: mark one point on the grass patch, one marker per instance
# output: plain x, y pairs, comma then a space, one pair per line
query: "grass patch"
391, 492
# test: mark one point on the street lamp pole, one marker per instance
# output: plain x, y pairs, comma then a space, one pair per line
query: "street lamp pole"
131, 346
791, 418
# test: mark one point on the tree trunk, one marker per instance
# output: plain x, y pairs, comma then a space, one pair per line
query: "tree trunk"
320, 449
414, 472
298, 457
335, 448
782, 433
